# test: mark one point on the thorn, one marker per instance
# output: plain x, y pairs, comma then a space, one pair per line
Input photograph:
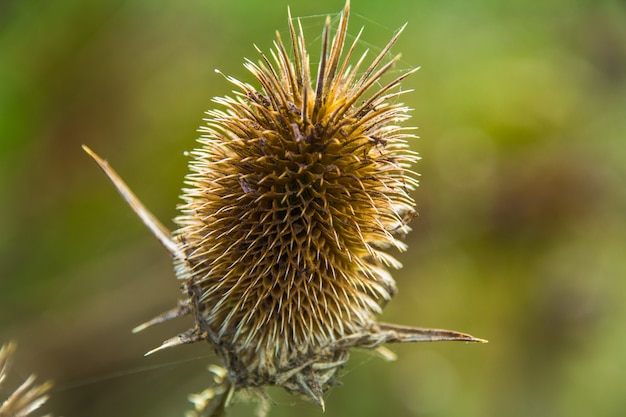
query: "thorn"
314, 392
154, 225
181, 310
402, 334
190, 336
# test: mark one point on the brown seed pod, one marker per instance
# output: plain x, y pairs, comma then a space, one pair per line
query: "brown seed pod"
295, 194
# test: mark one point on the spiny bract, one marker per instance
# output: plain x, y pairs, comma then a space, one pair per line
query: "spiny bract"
297, 190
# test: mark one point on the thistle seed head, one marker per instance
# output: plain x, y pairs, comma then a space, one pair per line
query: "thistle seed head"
300, 186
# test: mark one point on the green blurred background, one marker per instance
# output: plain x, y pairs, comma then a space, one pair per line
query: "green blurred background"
521, 237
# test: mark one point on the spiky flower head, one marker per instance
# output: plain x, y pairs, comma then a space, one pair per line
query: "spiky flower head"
295, 192
300, 186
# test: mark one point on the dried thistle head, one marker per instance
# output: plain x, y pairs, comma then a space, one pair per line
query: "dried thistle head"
28, 397
299, 187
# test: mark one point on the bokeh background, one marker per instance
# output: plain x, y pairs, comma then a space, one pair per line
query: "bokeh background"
521, 237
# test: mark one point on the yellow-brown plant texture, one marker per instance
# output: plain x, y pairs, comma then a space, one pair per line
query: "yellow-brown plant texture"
28, 397
299, 187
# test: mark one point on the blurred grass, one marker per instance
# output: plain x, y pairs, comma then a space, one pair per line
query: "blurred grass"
521, 235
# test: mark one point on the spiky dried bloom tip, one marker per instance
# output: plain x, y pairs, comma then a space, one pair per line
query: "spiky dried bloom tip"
295, 195
27, 397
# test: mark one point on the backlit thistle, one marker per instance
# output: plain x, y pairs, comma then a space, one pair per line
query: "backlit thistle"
300, 186
27, 397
